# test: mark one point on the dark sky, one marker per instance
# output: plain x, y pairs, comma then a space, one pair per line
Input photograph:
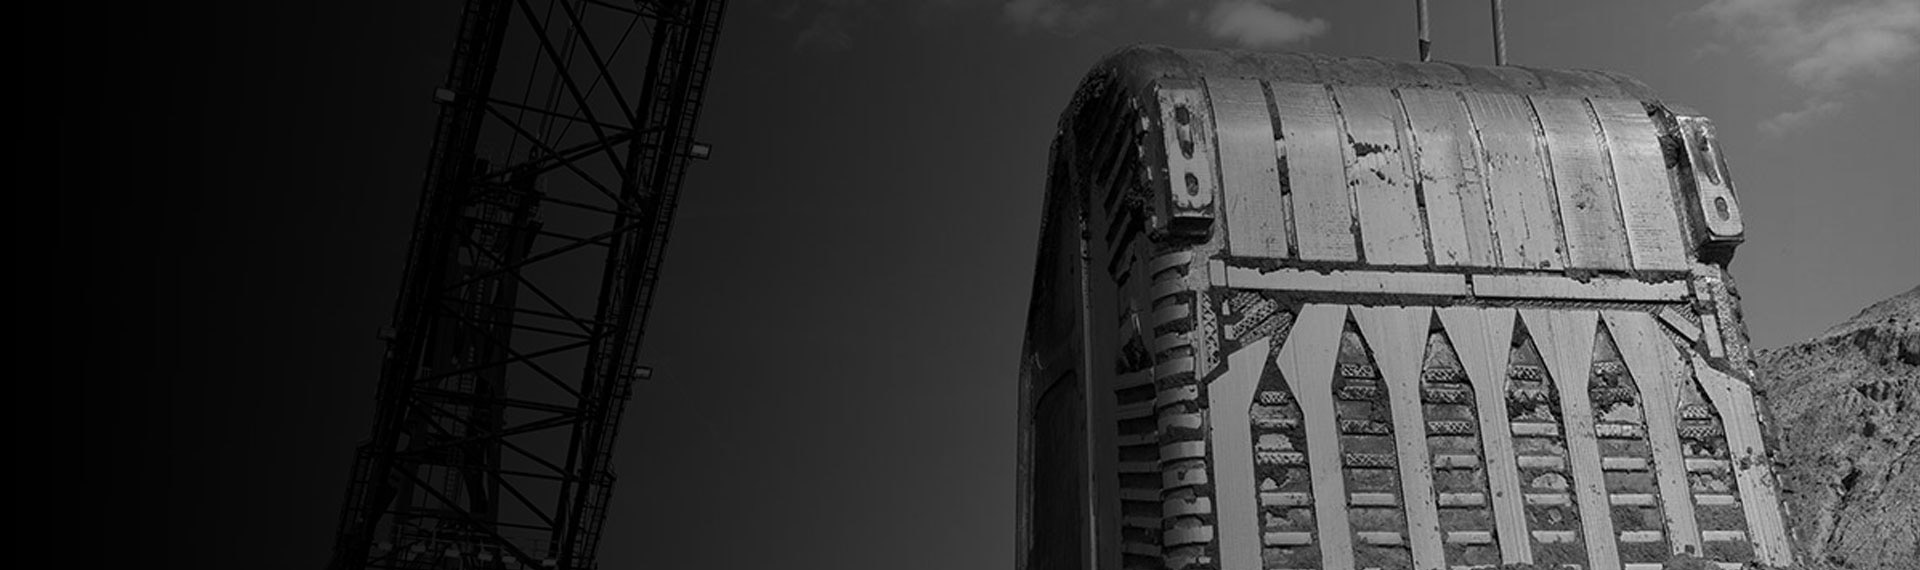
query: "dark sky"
840, 315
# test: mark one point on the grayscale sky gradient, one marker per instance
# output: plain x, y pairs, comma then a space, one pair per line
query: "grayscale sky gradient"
841, 309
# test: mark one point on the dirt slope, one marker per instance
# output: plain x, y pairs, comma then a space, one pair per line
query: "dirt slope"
1847, 405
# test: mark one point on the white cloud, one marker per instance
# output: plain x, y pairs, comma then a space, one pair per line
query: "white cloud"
1057, 16
1790, 121
827, 32
1829, 48
830, 23
1258, 24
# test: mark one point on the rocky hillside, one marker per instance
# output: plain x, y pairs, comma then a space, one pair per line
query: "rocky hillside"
1847, 405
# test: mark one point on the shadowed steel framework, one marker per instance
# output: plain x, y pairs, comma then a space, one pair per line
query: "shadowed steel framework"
565, 129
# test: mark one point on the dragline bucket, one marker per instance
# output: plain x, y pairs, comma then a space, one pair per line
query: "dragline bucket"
1294, 311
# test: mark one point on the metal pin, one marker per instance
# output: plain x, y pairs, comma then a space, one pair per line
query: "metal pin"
1499, 33
1426, 44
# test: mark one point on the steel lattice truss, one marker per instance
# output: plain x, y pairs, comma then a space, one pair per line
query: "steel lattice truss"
565, 128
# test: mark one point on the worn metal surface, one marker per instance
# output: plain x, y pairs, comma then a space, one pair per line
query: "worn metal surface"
1747, 458
1524, 222
1565, 339
1583, 182
1187, 135
1569, 288
1400, 337
1660, 374
1395, 315
1646, 200
1306, 359
1450, 178
1714, 185
1481, 337
1391, 229
1323, 213
1230, 398
1256, 216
